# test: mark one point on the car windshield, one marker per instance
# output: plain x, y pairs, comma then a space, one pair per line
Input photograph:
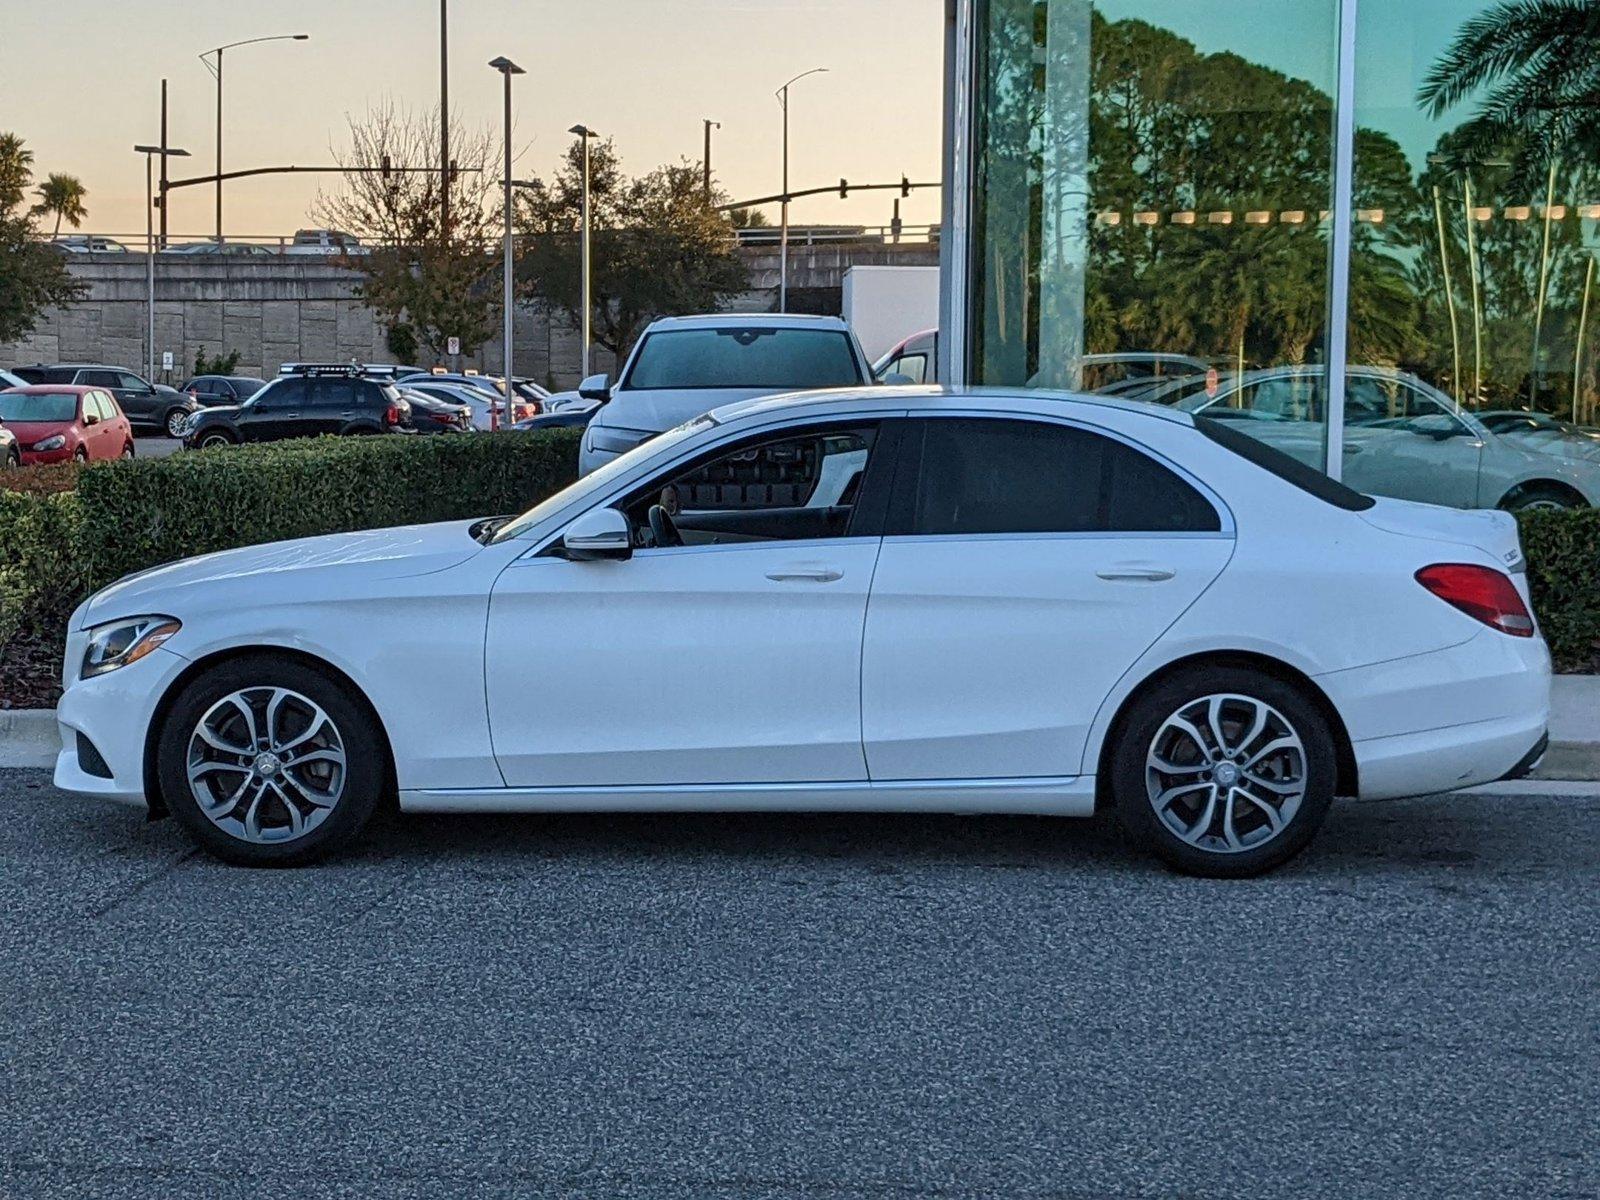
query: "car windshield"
246, 386
751, 357
53, 406
598, 480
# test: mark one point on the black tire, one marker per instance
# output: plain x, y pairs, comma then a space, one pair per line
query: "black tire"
13, 461
127, 452
211, 439
173, 422
1132, 781
80, 456
1541, 495
366, 764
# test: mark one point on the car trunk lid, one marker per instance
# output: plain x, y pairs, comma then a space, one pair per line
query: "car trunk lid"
1487, 530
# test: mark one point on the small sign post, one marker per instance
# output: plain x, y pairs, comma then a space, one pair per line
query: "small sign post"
166, 360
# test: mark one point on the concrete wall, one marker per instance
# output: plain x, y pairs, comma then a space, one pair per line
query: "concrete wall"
294, 309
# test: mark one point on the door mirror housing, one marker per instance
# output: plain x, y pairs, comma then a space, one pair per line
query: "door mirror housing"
596, 387
90, 418
600, 534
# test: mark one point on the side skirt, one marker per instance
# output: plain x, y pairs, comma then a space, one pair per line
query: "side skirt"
1068, 796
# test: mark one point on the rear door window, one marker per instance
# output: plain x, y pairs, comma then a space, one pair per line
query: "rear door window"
982, 475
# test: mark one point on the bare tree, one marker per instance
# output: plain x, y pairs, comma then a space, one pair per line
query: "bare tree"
438, 283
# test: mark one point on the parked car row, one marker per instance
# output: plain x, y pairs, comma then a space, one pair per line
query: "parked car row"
152, 407
1402, 437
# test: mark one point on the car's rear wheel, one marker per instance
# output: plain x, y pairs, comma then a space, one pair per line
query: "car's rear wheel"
1547, 497
176, 419
1223, 771
268, 761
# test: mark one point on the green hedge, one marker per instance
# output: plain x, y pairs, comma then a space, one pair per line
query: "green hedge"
124, 517
1563, 551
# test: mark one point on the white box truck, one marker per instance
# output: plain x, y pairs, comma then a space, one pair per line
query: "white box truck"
886, 305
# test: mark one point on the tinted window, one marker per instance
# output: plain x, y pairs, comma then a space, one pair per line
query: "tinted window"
1290, 470
99, 379
335, 393
46, 374
286, 393
245, 386
745, 358
1003, 476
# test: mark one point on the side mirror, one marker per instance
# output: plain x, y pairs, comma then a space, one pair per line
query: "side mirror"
601, 533
596, 387
90, 418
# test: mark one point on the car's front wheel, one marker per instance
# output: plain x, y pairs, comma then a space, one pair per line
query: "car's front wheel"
1223, 771
268, 761
176, 420
212, 439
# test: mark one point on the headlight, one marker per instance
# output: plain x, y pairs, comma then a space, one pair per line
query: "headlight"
118, 643
52, 443
616, 441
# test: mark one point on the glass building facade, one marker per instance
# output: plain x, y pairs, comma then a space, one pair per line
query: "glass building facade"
1247, 207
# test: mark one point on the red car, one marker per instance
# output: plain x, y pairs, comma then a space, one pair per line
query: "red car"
54, 424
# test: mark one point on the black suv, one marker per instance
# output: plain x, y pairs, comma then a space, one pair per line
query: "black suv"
149, 406
308, 402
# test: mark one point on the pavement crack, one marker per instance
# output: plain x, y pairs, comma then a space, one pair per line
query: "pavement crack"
118, 901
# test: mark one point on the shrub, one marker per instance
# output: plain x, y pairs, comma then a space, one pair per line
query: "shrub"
125, 517
222, 364
1563, 552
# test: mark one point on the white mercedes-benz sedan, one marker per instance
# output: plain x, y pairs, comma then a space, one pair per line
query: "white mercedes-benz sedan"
886, 599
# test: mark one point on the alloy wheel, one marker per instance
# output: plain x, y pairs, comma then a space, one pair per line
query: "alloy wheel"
1226, 773
175, 423
266, 764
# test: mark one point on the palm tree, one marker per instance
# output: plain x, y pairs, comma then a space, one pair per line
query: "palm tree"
1534, 63
62, 195
16, 169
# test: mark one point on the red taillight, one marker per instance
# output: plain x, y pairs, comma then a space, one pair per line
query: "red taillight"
391, 415
1482, 593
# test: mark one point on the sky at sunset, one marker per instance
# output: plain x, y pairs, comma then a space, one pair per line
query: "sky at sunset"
645, 71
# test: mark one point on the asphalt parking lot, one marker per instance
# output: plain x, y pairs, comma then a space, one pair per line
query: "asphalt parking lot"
752, 1006
155, 447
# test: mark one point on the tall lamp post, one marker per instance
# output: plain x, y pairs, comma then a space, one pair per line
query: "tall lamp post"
216, 70
507, 68
151, 153
706, 162
783, 238
585, 133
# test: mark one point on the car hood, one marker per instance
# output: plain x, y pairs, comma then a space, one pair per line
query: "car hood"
29, 432
1556, 444
658, 409
221, 410
332, 565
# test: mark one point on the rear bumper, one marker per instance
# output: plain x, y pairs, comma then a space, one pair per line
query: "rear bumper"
1451, 719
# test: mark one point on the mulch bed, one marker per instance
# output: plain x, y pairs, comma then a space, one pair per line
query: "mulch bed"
30, 673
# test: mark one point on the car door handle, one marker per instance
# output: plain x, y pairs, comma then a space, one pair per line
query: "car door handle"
1142, 574
805, 575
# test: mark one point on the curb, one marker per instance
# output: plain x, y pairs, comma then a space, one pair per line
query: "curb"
28, 737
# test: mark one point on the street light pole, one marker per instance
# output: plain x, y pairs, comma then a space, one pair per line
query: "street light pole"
217, 72
585, 133
706, 161
783, 236
444, 121
151, 153
508, 68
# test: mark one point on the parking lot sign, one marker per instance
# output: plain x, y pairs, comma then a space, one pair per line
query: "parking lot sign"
166, 360
453, 347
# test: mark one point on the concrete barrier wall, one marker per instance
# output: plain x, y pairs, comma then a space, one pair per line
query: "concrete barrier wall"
290, 309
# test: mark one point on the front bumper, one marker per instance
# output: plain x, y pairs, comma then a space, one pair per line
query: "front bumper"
114, 713
44, 458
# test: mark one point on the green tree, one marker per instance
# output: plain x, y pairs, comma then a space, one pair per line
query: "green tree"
33, 275
1532, 63
659, 247
438, 283
62, 196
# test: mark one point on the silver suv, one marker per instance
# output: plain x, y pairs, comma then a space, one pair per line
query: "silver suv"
684, 366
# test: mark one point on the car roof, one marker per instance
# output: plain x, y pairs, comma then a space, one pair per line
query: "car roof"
750, 321
82, 366
982, 399
53, 389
